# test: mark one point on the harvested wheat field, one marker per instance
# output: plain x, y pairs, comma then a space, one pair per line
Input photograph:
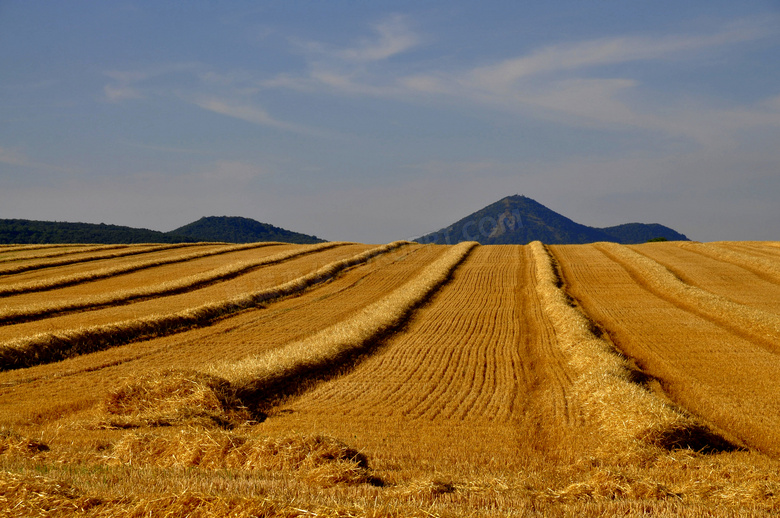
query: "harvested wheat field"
344, 379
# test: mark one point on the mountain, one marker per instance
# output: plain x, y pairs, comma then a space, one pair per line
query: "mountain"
24, 231
240, 230
642, 232
520, 220
216, 229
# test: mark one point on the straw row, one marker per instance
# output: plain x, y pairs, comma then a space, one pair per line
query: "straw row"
60, 253
126, 252
189, 283
111, 271
760, 326
264, 377
625, 411
758, 265
51, 347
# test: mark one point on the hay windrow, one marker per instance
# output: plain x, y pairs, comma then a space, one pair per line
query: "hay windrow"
264, 378
51, 347
319, 460
630, 416
174, 397
13, 444
104, 273
68, 251
761, 326
126, 252
39, 311
758, 265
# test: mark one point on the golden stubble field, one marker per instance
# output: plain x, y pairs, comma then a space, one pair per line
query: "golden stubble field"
346, 379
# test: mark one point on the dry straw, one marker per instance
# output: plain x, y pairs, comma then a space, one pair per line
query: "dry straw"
758, 265
260, 376
60, 253
50, 347
128, 251
13, 444
22, 248
763, 327
318, 459
627, 413
104, 273
39, 311
176, 397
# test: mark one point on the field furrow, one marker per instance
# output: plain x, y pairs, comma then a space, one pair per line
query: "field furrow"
84, 380
263, 278
22, 308
8, 249
707, 368
767, 250
454, 361
28, 255
759, 326
43, 280
89, 256
767, 269
721, 277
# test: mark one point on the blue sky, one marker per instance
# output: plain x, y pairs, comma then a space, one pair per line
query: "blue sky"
375, 121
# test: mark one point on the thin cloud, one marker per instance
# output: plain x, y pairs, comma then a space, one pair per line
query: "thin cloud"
168, 149
128, 84
251, 113
607, 51
393, 37
115, 93
557, 83
13, 157
16, 158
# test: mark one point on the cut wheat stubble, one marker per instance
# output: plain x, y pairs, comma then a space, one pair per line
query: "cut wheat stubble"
88, 257
259, 380
50, 347
631, 416
53, 282
723, 378
760, 326
229, 271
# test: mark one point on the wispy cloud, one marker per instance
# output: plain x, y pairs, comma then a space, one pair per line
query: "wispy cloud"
13, 157
566, 82
116, 93
393, 36
128, 84
251, 113
167, 149
17, 158
608, 51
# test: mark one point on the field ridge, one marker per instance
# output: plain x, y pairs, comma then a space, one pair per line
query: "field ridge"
761, 327
604, 387
104, 273
39, 311
49, 347
84, 249
134, 250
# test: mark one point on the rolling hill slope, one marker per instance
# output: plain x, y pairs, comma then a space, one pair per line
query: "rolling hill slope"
519, 220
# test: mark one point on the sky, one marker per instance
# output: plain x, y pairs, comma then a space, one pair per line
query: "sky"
376, 121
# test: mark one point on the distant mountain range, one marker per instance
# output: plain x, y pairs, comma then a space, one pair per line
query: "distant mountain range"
512, 220
217, 229
520, 220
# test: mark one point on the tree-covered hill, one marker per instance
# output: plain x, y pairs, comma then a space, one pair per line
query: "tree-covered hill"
520, 220
215, 229
239, 230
